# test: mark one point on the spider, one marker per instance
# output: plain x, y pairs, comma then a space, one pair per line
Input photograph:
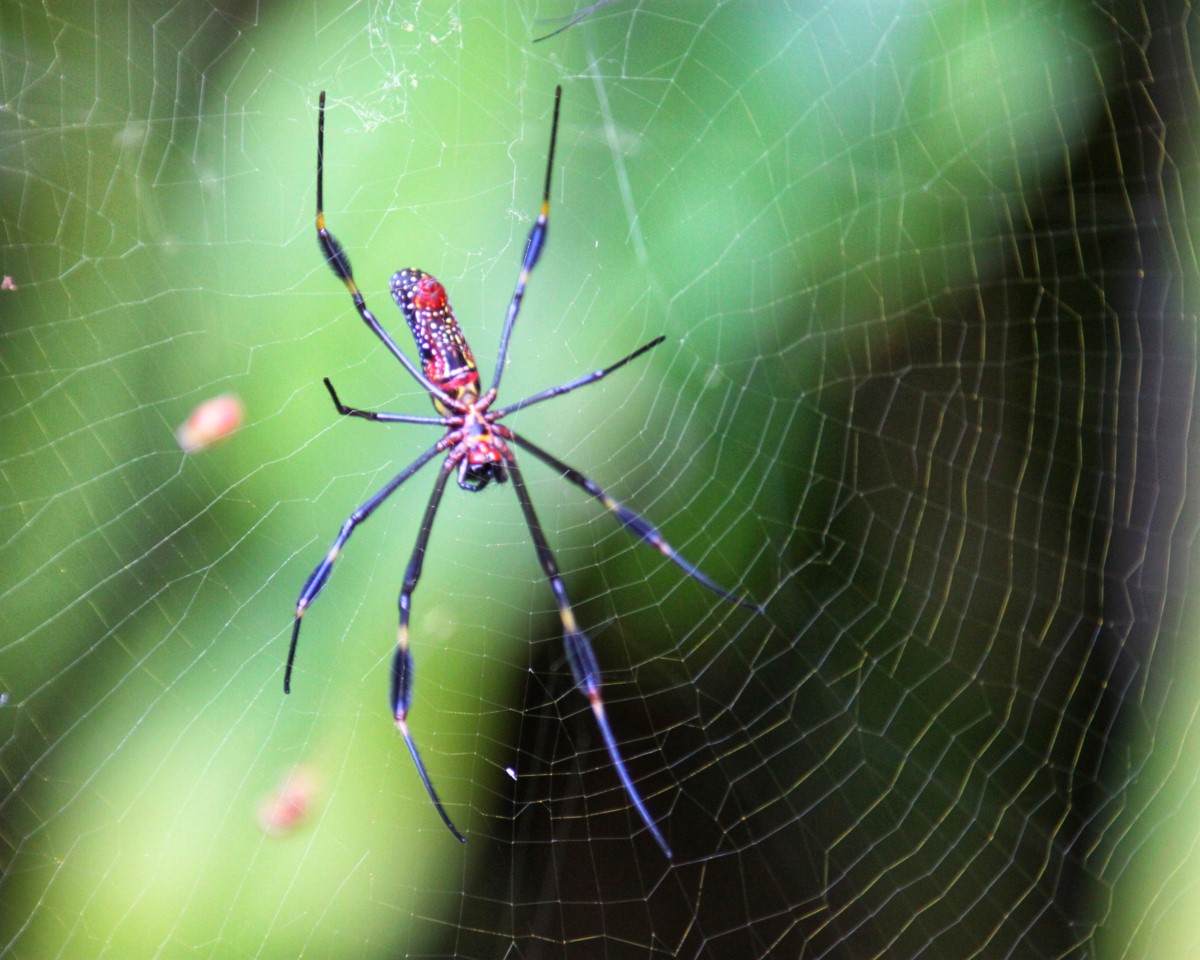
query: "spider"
478, 452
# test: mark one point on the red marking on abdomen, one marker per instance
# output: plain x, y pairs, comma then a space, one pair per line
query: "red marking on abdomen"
430, 294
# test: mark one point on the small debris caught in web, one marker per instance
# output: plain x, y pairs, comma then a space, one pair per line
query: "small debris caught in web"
211, 422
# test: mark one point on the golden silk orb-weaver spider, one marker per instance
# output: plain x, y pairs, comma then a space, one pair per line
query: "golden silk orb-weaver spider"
479, 451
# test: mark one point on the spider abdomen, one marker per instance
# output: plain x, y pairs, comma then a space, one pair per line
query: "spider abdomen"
446, 356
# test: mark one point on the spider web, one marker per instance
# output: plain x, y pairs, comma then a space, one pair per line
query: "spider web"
926, 391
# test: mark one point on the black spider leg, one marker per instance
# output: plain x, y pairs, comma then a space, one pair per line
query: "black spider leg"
578, 18
533, 250
580, 381
402, 663
339, 263
320, 575
378, 416
582, 658
635, 523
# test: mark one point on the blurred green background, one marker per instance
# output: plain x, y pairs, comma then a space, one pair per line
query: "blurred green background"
925, 276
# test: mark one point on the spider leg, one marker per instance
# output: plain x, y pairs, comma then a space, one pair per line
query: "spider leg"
320, 575
533, 249
579, 17
580, 381
380, 417
339, 263
582, 658
402, 663
634, 522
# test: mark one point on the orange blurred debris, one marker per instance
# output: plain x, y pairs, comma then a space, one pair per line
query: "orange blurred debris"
287, 807
212, 421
